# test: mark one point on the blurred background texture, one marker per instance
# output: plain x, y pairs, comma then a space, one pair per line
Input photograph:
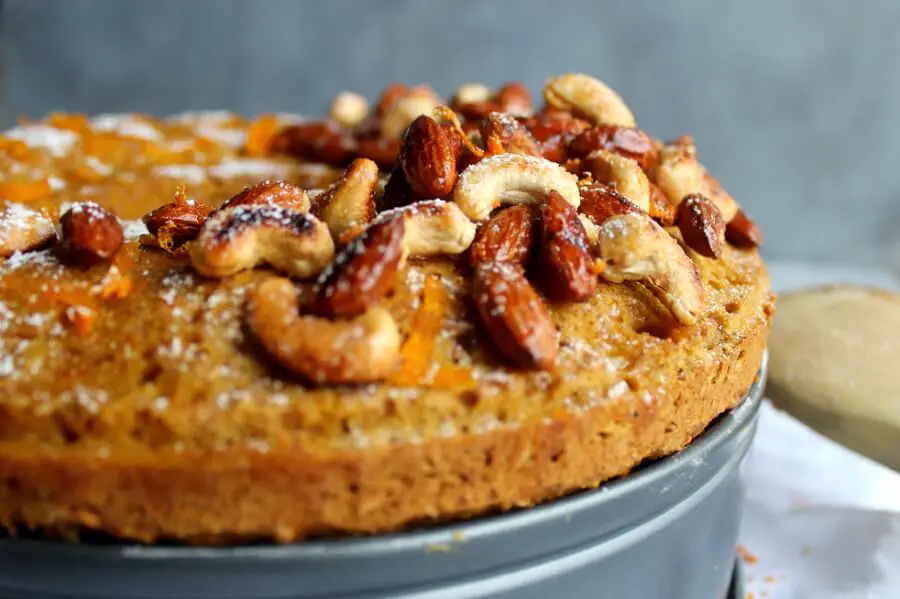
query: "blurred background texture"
793, 103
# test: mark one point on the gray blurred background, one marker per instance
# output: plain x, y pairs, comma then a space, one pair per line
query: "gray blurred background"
793, 102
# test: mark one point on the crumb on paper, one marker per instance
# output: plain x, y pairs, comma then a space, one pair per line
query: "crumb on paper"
438, 548
749, 558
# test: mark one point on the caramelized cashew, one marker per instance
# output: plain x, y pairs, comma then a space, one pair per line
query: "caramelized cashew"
349, 201
634, 248
589, 98
622, 173
349, 109
243, 237
511, 179
679, 174
417, 101
322, 351
23, 229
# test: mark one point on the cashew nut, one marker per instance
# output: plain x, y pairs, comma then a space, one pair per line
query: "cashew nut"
679, 174
243, 237
350, 200
588, 97
621, 172
469, 93
23, 229
434, 227
417, 101
591, 229
634, 248
360, 350
511, 179
349, 109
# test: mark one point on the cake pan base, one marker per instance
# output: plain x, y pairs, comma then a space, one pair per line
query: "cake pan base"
666, 531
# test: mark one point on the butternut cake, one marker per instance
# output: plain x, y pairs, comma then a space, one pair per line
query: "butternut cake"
217, 330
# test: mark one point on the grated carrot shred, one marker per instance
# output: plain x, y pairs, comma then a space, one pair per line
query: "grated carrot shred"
415, 355
260, 134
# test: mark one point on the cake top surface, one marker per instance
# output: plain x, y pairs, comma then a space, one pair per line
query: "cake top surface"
383, 276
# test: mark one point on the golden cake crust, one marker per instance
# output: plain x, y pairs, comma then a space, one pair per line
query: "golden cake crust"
163, 419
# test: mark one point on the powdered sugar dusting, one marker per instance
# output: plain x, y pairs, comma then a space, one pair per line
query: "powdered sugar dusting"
230, 168
190, 173
126, 125
58, 142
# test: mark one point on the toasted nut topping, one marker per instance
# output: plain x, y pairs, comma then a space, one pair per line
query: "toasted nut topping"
589, 98
634, 248
389, 97
23, 229
380, 150
320, 142
503, 130
274, 193
622, 173
177, 222
630, 142
397, 192
513, 98
417, 101
591, 230
509, 237
243, 237
349, 109
511, 179
742, 232
679, 174
361, 350
428, 158
364, 271
661, 209
565, 255
554, 133
434, 227
469, 93
701, 225
90, 234
349, 201
600, 202
516, 317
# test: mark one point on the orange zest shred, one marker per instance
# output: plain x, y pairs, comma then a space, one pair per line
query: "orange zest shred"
25, 191
15, 149
82, 319
453, 377
415, 355
115, 285
260, 134
72, 122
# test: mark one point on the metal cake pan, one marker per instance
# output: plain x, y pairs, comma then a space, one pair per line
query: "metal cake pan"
666, 531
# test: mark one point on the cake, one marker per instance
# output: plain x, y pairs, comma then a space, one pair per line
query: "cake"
216, 330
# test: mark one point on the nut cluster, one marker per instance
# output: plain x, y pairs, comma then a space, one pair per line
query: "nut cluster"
546, 203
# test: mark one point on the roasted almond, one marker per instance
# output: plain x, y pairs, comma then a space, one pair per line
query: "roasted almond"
428, 158
318, 141
742, 232
397, 192
661, 209
568, 266
274, 193
382, 151
600, 202
364, 271
513, 98
512, 136
516, 318
554, 133
509, 236
90, 234
177, 222
628, 141
389, 97
701, 225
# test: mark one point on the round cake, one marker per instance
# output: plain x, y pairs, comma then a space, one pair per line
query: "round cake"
215, 330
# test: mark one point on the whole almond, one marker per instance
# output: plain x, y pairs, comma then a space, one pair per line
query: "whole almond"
512, 135
516, 318
701, 225
397, 192
554, 133
513, 98
600, 202
274, 193
182, 221
380, 150
316, 141
742, 232
363, 272
90, 234
628, 141
508, 237
389, 97
661, 209
568, 266
428, 158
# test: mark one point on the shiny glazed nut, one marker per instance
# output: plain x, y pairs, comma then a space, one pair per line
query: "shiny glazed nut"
349, 201
568, 266
322, 351
742, 232
434, 228
389, 97
243, 237
661, 209
513, 98
509, 236
679, 174
178, 222
589, 98
554, 133
319, 142
90, 234
511, 179
349, 109
622, 173
511, 135
428, 158
701, 225
517, 319
274, 193
469, 93
417, 101
630, 142
634, 248
364, 271
23, 229
600, 202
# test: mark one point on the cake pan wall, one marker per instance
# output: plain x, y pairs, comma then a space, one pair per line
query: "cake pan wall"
667, 531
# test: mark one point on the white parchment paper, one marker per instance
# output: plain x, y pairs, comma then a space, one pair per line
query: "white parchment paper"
821, 522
